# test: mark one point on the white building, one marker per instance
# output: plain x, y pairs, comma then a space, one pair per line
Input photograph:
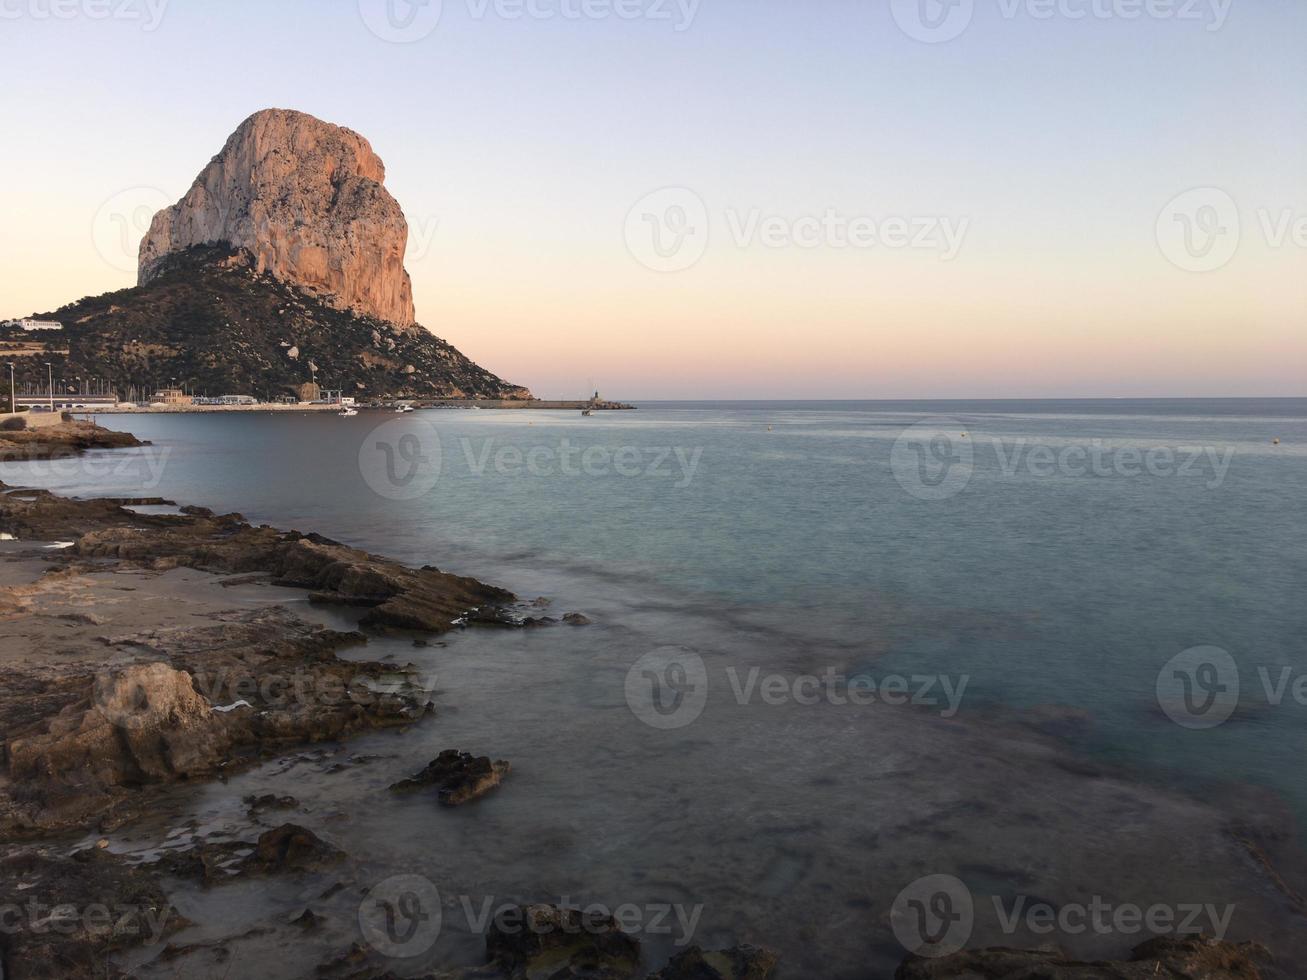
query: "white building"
30, 324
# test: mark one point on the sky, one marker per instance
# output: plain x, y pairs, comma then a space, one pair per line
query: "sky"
732, 198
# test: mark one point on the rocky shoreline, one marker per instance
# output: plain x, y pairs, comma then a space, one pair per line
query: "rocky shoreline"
95, 733
124, 709
154, 653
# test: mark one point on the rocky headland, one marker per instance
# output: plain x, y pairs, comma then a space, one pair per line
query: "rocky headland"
20, 439
283, 265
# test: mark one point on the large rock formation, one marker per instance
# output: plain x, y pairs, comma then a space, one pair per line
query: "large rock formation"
305, 199
282, 266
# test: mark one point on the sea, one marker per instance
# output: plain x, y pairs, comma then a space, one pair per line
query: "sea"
851, 663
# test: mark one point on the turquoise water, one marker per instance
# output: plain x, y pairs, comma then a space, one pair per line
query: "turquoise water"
1058, 554
1070, 588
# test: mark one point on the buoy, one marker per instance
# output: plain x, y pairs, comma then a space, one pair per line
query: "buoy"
1275, 442
769, 428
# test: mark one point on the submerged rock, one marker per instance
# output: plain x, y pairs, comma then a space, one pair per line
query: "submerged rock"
740, 963
460, 776
529, 941
291, 847
218, 695
1197, 958
269, 801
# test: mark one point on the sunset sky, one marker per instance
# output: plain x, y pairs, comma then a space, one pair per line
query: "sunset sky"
519, 147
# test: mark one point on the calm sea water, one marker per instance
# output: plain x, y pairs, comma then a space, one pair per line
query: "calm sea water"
1056, 554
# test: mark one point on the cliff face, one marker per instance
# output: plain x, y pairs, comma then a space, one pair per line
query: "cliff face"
305, 199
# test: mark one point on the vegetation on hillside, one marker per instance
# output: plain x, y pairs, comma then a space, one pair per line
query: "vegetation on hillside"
214, 325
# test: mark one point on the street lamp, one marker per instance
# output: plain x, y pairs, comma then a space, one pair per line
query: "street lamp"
13, 403
49, 370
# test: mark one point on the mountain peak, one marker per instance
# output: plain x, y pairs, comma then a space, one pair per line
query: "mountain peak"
306, 200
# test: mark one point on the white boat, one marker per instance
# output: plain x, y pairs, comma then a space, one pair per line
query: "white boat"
401, 409
348, 413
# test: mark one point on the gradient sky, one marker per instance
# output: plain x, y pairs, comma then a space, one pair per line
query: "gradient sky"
517, 147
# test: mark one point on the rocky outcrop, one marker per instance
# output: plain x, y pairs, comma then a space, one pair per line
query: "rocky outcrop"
394, 595
83, 748
1193, 958
169, 702
459, 776
143, 724
305, 199
65, 439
